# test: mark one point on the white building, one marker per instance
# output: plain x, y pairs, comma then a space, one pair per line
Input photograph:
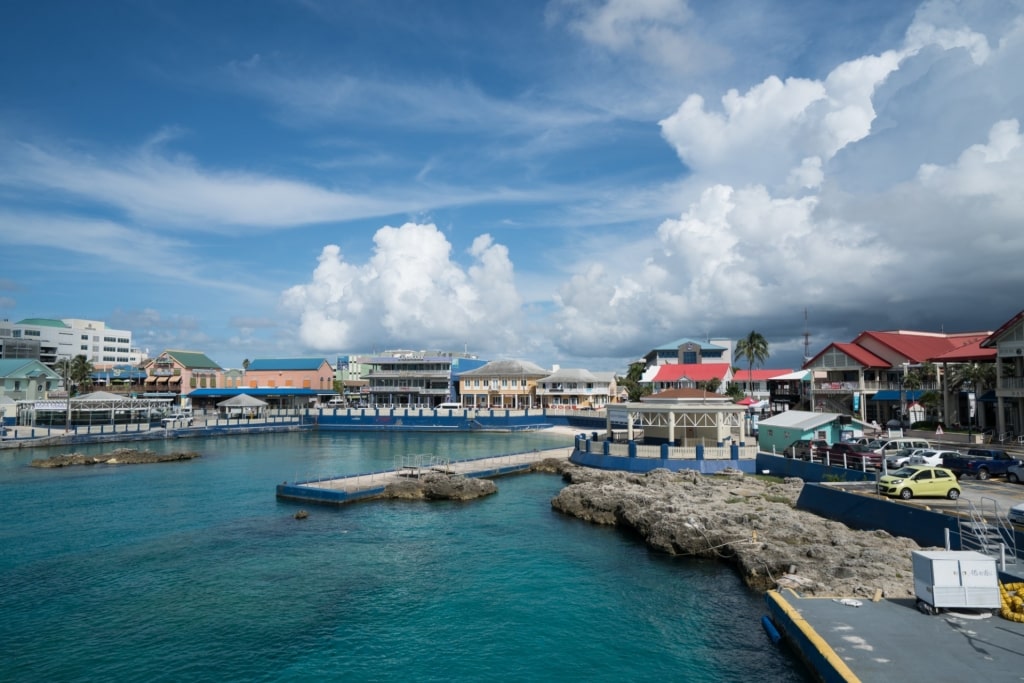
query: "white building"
50, 340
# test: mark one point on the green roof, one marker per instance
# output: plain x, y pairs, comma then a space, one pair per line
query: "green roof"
42, 322
193, 360
23, 367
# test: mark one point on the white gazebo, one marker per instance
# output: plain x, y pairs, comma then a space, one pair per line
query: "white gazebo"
243, 404
683, 417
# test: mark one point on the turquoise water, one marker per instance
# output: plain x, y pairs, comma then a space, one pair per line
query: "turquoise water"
193, 571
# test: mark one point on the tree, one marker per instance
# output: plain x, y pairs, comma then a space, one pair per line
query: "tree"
631, 382
711, 385
76, 373
734, 391
80, 372
754, 348
978, 376
245, 364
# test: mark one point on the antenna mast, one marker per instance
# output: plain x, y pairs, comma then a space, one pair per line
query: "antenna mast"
807, 339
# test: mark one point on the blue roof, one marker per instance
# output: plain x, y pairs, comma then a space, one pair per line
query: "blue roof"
120, 372
674, 346
287, 364
895, 395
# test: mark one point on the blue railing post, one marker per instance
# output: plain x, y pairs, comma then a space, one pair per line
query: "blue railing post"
664, 451
734, 451
631, 445
699, 451
606, 447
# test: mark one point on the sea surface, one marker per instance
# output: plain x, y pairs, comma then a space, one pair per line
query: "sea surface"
193, 571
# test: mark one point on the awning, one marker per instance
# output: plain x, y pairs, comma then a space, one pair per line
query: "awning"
175, 379
150, 380
161, 380
897, 395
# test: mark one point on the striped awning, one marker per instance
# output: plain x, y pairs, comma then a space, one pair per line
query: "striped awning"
150, 380
175, 379
162, 380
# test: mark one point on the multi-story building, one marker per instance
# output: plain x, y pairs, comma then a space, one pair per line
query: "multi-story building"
1008, 342
688, 351
576, 388
27, 379
298, 373
51, 340
868, 377
176, 373
414, 379
350, 375
508, 384
687, 376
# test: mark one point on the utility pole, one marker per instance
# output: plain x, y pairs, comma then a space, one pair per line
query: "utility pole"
67, 397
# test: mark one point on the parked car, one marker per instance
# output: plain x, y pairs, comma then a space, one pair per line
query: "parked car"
807, 449
932, 458
1016, 514
920, 481
855, 455
1015, 474
902, 457
886, 447
177, 418
981, 462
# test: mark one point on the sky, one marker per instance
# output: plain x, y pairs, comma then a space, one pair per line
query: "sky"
569, 182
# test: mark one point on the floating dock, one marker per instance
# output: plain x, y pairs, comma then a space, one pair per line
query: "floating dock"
351, 488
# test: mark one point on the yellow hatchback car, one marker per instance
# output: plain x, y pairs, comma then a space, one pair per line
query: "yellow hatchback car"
920, 481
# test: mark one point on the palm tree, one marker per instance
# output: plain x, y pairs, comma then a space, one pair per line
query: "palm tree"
80, 372
753, 347
972, 376
977, 375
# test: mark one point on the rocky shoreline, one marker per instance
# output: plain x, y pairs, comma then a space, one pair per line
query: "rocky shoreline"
749, 522
440, 486
121, 456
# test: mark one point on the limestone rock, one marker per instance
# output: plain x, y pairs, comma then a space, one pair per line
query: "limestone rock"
121, 456
440, 486
747, 522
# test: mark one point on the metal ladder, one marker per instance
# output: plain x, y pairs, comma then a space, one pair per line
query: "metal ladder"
986, 529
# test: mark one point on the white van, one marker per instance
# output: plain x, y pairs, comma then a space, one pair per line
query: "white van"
886, 447
448, 406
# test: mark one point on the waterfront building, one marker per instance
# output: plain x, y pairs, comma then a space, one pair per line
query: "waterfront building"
689, 351
349, 377
175, 373
50, 340
867, 377
416, 379
24, 379
755, 382
686, 376
508, 384
1008, 343
576, 388
301, 373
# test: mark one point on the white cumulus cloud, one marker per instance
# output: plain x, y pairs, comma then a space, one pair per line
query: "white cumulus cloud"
410, 292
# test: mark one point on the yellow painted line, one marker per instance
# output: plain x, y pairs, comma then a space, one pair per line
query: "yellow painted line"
812, 636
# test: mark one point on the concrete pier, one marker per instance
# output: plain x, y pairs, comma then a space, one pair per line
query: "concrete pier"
351, 488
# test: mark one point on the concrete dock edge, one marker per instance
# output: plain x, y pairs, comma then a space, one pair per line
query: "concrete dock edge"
808, 643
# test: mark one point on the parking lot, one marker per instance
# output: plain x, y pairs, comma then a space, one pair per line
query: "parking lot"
980, 493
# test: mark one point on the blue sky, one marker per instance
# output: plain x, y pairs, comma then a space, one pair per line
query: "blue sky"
569, 182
